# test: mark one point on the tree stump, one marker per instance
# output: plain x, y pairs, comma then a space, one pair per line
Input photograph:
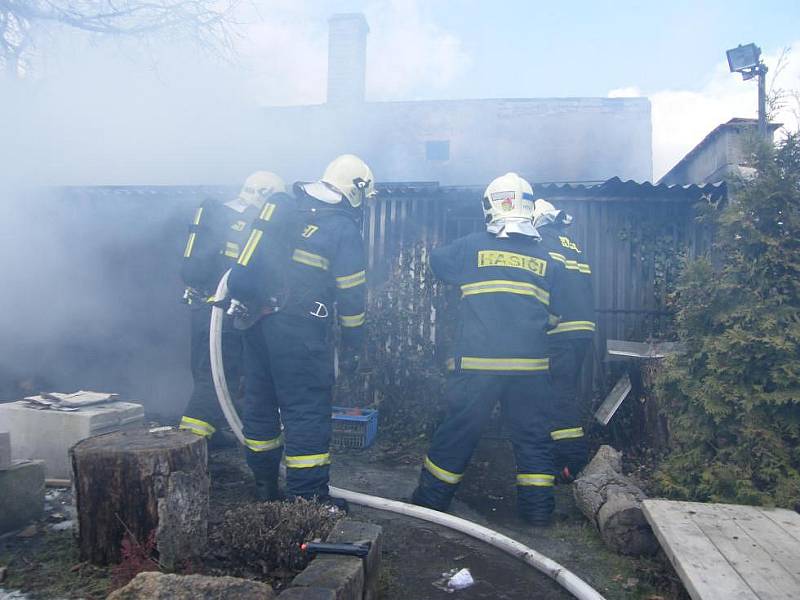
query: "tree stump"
613, 503
151, 488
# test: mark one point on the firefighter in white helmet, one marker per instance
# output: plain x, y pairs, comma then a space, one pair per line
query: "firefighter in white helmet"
216, 235
569, 339
289, 353
506, 277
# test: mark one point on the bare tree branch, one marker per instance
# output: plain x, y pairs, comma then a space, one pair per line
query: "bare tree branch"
777, 97
208, 22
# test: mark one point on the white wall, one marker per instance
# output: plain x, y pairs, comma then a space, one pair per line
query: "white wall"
581, 139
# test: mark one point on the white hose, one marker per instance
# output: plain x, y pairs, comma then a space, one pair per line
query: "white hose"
563, 577
217, 367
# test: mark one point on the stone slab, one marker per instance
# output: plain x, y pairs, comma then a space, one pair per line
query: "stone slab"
307, 593
350, 531
5, 449
344, 575
48, 434
163, 586
21, 494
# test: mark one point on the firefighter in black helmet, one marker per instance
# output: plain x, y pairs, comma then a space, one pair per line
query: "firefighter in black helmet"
506, 278
569, 339
289, 362
216, 234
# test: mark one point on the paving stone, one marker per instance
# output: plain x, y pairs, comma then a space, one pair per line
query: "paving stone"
5, 449
21, 494
307, 593
344, 575
350, 531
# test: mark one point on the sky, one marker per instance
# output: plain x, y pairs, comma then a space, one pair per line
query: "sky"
89, 97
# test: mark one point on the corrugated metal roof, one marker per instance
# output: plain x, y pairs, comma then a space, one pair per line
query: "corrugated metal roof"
613, 189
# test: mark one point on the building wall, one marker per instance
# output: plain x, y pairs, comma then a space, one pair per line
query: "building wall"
713, 162
722, 154
551, 139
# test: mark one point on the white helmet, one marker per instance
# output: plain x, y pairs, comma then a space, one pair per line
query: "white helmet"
508, 197
351, 177
260, 186
544, 212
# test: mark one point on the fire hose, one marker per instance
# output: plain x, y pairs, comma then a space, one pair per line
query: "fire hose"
565, 578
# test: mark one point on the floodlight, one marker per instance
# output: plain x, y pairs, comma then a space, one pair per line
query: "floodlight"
743, 57
747, 61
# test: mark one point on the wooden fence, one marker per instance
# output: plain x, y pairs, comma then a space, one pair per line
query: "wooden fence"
113, 256
635, 236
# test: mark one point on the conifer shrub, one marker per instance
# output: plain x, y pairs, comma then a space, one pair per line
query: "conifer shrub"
733, 398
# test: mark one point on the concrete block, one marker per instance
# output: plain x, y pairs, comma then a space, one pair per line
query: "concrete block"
5, 450
349, 531
21, 494
307, 593
48, 434
344, 575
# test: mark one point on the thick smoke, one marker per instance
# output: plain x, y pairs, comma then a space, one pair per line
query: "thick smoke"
91, 292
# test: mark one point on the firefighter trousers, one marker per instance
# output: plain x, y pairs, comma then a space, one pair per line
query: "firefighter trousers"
289, 377
203, 415
566, 362
525, 401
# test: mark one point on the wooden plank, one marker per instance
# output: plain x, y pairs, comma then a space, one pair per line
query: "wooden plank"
754, 543
787, 520
781, 545
765, 576
704, 572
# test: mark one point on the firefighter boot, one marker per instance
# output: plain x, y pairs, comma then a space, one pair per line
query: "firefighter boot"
265, 467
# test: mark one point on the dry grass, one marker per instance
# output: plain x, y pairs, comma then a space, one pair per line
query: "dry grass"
265, 537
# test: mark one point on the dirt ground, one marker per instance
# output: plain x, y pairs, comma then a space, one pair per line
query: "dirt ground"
44, 563
417, 553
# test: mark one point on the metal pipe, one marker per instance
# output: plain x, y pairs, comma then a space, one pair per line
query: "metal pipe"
762, 100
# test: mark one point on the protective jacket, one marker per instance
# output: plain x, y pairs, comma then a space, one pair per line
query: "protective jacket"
573, 307
311, 257
506, 288
315, 252
573, 304
216, 235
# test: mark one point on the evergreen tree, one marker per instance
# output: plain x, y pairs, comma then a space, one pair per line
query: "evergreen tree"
733, 398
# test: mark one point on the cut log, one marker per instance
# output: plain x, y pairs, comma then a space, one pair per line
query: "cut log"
151, 488
613, 503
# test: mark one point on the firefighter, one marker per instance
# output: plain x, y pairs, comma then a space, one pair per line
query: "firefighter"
506, 278
216, 235
570, 339
289, 352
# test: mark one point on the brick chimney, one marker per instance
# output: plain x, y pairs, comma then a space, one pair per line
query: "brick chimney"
347, 58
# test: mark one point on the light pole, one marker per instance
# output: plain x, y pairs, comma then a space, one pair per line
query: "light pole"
747, 61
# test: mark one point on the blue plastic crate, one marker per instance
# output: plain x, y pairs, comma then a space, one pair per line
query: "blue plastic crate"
354, 427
